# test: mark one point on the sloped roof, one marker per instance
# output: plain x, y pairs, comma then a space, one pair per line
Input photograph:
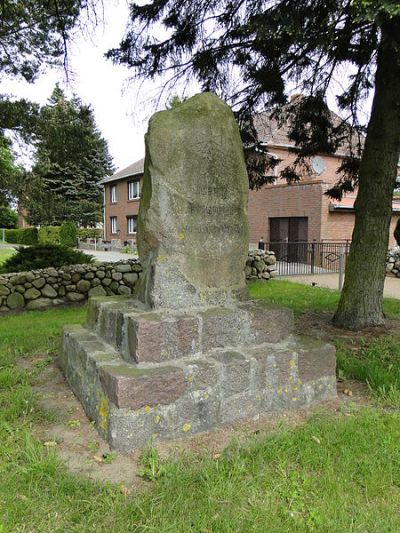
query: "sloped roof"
132, 170
274, 134
347, 204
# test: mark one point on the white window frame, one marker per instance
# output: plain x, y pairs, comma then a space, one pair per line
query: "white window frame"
132, 185
129, 219
114, 225
113, 194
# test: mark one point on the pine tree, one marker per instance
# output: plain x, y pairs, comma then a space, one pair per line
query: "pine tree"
71, 158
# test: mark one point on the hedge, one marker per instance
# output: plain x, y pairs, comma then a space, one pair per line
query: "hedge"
49, 235
68, 234
90, 233
22, 236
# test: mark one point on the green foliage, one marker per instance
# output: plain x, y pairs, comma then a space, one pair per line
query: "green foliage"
8, 218
22, 236
49, 235
44, 256
270, 45
90, 233
68, 234
71, 158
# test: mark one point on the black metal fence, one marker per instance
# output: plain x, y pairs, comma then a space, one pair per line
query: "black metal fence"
297, 258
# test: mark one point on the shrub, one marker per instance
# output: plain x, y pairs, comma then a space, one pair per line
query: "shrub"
8, 217
49, 235
22, 236
90, 233
68, 234
44, 256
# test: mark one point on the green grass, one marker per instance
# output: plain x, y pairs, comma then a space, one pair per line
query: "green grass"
377, 363
301, 298
5, 253
336, 472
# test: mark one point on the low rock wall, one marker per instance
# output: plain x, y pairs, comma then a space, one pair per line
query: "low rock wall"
261, 265
47, 287
39, 289
393, 262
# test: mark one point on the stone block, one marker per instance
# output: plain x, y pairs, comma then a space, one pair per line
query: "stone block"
235, 372
221, 327
130, 387
145, 337
315, 359
268, 323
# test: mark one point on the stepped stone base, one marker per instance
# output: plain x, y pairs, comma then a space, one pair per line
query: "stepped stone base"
239, 363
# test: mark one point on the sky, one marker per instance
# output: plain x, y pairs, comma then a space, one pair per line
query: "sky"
121, 107
120, 113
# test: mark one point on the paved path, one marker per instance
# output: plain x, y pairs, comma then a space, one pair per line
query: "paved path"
331, 281
109, 257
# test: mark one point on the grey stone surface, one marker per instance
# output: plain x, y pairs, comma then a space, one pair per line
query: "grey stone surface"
48, 291
39, 283
193, 209
39, 303
15, 301
131, 404
32, 294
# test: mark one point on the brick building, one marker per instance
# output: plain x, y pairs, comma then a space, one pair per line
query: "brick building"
121, 203
277, 213
301, 211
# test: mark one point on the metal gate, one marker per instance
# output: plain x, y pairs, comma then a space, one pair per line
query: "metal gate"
299, 258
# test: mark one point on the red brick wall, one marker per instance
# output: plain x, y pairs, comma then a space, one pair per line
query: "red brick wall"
121, 209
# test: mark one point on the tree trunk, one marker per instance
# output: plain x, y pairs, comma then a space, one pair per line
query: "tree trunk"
361, 301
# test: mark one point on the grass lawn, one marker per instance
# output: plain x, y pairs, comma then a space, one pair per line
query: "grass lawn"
336, 472
5, 253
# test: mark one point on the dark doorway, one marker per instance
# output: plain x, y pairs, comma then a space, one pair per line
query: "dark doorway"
284, 233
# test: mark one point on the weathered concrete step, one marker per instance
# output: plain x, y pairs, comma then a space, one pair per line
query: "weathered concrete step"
132, 403
142, 335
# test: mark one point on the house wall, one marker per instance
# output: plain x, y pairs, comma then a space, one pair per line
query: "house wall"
121, 209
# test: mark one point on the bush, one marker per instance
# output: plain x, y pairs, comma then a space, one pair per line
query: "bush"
22, 236
49, 235
8, 218
90, 233
44, 256
68, 234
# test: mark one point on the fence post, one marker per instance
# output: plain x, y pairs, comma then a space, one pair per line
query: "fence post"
95, 243
312, 257
342, 256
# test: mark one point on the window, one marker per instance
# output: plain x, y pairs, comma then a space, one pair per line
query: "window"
132, 224
133, 190
113, 195
113, 222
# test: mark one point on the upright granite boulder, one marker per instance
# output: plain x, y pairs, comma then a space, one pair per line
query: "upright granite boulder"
193, 222
187, 352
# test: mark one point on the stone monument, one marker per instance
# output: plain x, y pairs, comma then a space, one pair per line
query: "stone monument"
188, 352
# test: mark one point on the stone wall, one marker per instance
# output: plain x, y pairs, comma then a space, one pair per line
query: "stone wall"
39, 289
261, 265
393, 261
